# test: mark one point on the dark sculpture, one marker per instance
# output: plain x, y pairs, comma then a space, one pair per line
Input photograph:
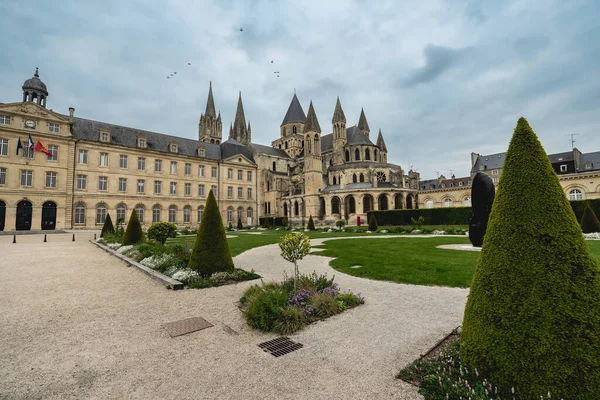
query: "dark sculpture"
482, 198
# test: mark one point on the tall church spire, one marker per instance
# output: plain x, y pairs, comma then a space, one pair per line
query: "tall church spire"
312, 123
338, 114
363, 125
210, 104
240, 130
210, 127
295, 113
381, 142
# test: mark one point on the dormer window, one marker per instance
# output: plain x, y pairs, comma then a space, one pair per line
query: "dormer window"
588, 165
563, 168
173, 148
202, 152
141, 142
105, 136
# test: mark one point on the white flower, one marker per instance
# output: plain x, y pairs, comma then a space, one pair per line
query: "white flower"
415, 231
185, 275
439, 232
114, 246
592, 236
124, 249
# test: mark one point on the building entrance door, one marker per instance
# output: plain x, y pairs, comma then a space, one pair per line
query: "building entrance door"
49, 215
2, 214
24, 211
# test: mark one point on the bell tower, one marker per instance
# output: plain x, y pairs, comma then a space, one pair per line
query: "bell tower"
210, 127
339, 134
313, 166
35, 91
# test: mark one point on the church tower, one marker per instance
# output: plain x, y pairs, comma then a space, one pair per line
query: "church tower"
291, 129
240, 131
339, 134
313, 167
363, 125
382, 148
210, 127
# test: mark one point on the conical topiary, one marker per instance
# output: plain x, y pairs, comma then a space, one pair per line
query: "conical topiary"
532, 319
589, 220
211, 250
107, 227
239, 224
133, 233
311, 224
372, 223
266, 223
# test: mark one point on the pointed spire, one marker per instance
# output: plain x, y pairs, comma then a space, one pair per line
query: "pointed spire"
219, 117
312, 123
249, 129
230, 131
36, 73
338, 114
381, 142
363, 125
210, 104
240, 118
295, 113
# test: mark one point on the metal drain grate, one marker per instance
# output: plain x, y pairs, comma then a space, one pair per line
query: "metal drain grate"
280, 346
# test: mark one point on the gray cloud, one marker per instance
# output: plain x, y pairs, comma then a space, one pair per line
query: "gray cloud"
438, 59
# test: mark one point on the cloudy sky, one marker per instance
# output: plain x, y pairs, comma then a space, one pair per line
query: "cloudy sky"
440, 78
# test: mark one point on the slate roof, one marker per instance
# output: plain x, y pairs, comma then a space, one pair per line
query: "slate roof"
492, 161
381, 142
593, 158
353, 136
561, 157
363, 125
35, 83
338, 113
231, 147
270, 151
362, 164
312, 123
295, 113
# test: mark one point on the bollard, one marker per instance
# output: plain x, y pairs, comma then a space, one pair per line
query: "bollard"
73, 238
44, 238
14, 238
94, 236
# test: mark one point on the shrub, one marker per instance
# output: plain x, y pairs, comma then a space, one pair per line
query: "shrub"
239, 224
311, 223
161, 231
108, 227
433, 216
133, 233
372, 223
294, 247
589, 221
350, 299
340, 224
211, 251
324, 305
417, 223
150, 248
290, 320
266, 308
534, 303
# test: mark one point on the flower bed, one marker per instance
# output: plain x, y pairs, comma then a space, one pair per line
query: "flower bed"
276, 307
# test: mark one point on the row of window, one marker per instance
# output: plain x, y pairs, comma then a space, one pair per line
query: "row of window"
52, 127
27, 178
101, 211
29, 153
574, 194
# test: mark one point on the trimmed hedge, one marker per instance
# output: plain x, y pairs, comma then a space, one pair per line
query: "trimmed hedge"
311, 224
372, 223
108, 227
578, 207
532, 319
589, 221
133, 233
273, 221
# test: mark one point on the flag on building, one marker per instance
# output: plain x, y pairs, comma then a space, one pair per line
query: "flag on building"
19, 146
30, 144
40, 147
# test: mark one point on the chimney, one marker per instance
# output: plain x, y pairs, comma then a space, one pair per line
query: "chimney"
71, 112
474, 157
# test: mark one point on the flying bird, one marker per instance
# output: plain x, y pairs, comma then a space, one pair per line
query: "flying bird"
271, 61
241, 30
189, 63
175, 72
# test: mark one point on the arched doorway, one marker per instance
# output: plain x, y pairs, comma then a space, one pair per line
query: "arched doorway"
24, 211
285, 209
398, 202
367, 203
409, 202
383, 202
2, 214
335, 205
49, 215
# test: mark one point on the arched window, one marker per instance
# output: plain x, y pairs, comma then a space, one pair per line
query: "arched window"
316, 147
308, 145
240, 214
100, 214
447, 203
294, 130
351, 205
200, 213
284, 132
575, 194
274, 166
334, 181
347, 155
375, 155
367, 154
286, 145
296, 210
285, 209
156, 213
354, 179
230, 214
357, 155
383, 202
249, 216
121, 211
429, 204
172, 214
187, 214
268, 185
467, 202
79, 214
139, 210
362, 178
335, 205
367, 203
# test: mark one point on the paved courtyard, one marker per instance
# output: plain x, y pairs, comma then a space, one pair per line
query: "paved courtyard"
77, 323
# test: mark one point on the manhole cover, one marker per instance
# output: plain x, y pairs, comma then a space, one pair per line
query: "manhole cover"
185, 326
280, 346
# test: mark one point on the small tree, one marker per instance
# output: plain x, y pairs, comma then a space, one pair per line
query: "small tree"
266, 223
372, 223
133, 233
161, 231
340, 224
311, 223
108, 227
239, 225
417, 223
294, 246
211, 251
589, 220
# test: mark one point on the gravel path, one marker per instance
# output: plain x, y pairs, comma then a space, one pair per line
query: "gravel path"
77, 323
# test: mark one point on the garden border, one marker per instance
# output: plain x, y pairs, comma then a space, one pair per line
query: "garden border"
157, 276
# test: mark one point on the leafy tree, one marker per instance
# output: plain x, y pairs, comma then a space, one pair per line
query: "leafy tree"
239, 225
589, 220
340, 224
133, 233
532, 319
108, 227
372, 223
294, 246
161, 231
211, 251
311, 223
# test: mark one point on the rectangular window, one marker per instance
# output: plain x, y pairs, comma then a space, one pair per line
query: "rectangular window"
249, 193
213, 172
173, 167
141, 163
202, 152
4, 120
104, 136
2, 176
103, 183
214, 190
188, 189
3, 147
53, 150
229, 173
155, 214
27, 152
122, 184
173, 148
588, 165
139, 210
82, 182
495, 172
157, 187
120, 214
240, 193
495, 180
563, 168
172, 214
50, 179
173, 187
157, 165
141, 186
249, 176
123, 161
52, 127
201, 170
187, 213
142, 143
26, 177
200, 190
104, 159
240, 175
83, 157
230, 192
188, 169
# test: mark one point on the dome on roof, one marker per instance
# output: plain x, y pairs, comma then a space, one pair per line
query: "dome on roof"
36, 84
